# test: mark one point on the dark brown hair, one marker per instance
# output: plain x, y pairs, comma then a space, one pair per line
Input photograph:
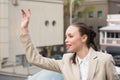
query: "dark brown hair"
84, 30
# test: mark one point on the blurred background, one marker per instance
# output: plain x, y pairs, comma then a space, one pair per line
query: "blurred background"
48, 23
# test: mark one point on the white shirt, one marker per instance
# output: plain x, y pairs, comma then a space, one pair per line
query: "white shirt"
83, 67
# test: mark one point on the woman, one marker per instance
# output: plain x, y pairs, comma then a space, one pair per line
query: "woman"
83, 63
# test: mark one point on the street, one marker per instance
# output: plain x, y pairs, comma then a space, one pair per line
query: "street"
4, 77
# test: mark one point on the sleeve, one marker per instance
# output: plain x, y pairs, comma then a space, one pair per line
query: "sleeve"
111, 73
35, 58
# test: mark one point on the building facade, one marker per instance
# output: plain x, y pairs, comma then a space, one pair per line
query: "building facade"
110, 37
96, 18
46, 28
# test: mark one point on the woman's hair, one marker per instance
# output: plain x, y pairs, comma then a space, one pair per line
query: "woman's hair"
84, 30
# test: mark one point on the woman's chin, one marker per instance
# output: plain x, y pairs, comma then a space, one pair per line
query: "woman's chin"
71, 51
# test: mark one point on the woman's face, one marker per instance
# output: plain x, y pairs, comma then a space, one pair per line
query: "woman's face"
73, 39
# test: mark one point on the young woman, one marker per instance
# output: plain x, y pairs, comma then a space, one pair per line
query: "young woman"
83, 63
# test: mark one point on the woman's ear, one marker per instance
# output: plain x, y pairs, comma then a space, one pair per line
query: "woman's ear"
84, 38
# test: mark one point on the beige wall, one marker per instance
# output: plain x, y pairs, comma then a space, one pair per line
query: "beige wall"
42, 10
4, 32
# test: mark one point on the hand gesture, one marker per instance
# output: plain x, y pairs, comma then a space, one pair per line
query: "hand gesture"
25, 21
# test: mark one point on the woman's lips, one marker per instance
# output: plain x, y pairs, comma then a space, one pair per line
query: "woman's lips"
68, 46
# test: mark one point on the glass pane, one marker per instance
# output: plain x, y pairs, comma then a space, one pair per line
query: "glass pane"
90, 15
79, 14
99, 14
108, 35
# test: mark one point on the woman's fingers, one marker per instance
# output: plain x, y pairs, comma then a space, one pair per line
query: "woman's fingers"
25, 21
23, 13
25, 18
29, 12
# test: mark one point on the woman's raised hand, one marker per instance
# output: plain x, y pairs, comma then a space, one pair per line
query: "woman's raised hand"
25, 21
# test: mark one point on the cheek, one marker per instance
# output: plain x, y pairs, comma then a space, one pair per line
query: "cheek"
76, 44
75, 41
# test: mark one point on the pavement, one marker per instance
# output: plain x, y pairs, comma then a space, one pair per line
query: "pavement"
4, 77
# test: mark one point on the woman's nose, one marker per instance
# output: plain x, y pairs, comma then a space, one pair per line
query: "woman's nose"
66, 40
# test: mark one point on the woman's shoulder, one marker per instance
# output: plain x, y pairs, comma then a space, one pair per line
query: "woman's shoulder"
104, 56
67, 56
100, 55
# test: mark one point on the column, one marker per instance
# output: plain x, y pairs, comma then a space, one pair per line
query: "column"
105, 42
101, 37
4, 37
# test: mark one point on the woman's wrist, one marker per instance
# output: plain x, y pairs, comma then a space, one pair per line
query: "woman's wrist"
24, 31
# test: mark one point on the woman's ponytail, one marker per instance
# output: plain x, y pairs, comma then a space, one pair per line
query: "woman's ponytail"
91, 39
83, 29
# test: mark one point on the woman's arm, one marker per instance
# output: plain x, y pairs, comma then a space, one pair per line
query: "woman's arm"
32, 54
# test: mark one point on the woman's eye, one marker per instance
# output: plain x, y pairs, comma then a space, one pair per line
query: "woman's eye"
70, 36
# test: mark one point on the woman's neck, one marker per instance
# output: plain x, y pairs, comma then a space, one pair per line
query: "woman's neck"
82, 52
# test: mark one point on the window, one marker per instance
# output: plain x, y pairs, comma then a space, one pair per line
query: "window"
100, 14
113, 35
90, 15
21, 60
54, 23
79, 14
117, 35
46, 23
108, 35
